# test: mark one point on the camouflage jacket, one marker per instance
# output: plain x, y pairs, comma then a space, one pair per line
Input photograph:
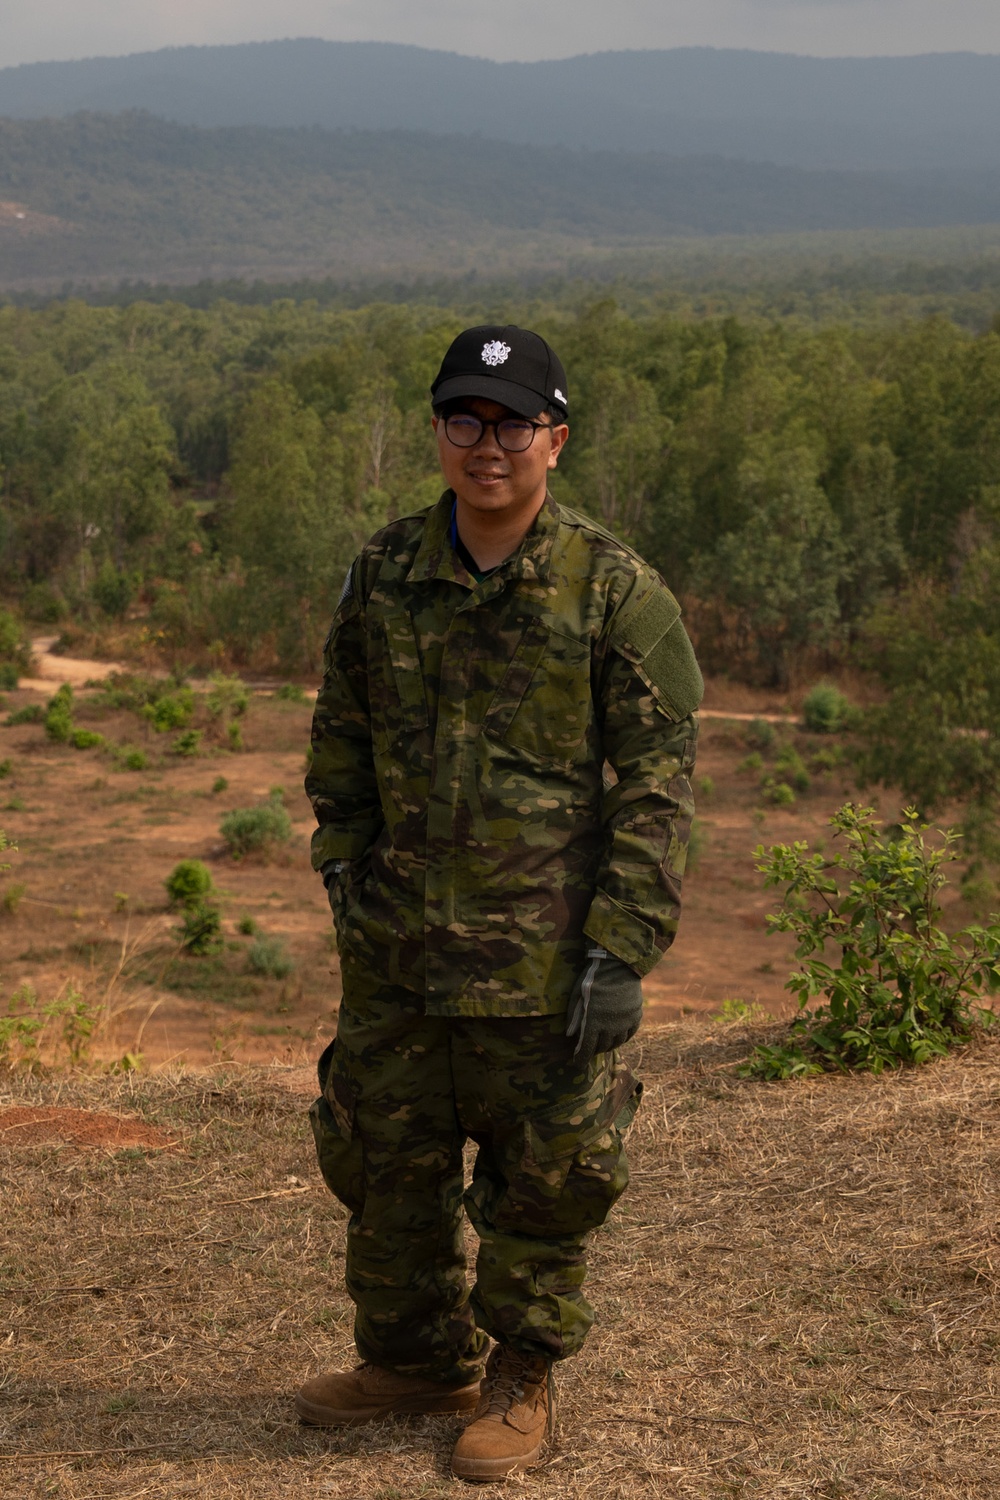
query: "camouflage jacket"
462, 742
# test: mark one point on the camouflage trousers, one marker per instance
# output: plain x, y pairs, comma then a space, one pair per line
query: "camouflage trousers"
401, 1093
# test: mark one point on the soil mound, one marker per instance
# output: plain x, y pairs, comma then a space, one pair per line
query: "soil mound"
27, 1126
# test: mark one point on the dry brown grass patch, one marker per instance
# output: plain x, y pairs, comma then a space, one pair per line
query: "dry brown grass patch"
797, 1298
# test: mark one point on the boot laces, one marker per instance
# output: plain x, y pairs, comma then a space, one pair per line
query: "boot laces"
511, 1372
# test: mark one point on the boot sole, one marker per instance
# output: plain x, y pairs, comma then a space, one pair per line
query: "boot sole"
484, 1469
403, 1406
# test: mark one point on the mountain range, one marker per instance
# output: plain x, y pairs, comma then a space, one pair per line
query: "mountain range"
937, 111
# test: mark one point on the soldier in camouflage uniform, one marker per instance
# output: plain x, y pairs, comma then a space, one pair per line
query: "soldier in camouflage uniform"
502, 749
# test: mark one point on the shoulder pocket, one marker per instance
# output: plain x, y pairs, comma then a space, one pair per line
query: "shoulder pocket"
652, 637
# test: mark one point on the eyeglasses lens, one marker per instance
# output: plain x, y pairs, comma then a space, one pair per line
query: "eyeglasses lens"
465, 431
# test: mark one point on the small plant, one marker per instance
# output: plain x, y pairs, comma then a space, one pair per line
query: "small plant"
291, 692
234, 735
59, 715
6, 768
9, 676
15, 804
31, 713
759, 734
201, 928
86, 739
219, 785
792, 768
189, 883
830, 758
706, 787
269, 958
741, 1013
697, 844
751, 764
255, 830
187, 744
228, 697
121, 899
170, 711
13, 896
904, 991
825, 709
131, 758
777, 793
247, 926
15, 652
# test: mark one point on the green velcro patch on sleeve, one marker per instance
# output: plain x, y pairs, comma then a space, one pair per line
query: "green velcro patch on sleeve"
653, 638
648, 623
671, 667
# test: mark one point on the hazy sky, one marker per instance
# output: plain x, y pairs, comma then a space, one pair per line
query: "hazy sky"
504, 29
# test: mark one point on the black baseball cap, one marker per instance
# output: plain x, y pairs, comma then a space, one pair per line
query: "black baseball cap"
505, 364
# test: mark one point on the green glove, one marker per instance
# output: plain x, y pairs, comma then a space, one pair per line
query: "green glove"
605, 1007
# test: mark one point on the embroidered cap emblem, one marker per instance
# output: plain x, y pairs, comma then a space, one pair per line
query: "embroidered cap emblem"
559, 395
495, 353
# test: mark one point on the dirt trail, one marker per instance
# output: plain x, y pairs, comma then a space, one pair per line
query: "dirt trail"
50, 671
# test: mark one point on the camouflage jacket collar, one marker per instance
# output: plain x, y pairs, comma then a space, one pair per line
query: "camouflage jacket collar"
436, 558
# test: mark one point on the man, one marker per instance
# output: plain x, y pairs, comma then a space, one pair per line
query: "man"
497, 898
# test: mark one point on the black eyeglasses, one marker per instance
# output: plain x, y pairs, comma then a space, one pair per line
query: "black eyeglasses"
514, 434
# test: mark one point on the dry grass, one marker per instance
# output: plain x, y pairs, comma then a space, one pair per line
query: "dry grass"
798, 1297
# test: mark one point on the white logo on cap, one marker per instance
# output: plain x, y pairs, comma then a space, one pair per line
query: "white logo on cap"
559, 396
495, 353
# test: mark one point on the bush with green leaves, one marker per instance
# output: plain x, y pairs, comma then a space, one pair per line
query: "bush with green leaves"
187, 744
777, 793
291, 692
86, 739
15, 651
227, 698
789, 766
201, 928
188, 883
759, 734
825, 709
131, 758
171, 710
903, 990
10, 676
31, 713
59, 715
268, 957
256, 830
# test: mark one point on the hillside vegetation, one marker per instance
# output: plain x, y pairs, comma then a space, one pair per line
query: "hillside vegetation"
104, 197
898, 112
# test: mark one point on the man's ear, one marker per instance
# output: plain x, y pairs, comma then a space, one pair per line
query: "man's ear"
557, 437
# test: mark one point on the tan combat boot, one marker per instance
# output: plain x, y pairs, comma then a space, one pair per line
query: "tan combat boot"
350, 1397
516, 1413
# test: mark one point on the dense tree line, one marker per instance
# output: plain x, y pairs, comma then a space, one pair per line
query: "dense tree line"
209, 472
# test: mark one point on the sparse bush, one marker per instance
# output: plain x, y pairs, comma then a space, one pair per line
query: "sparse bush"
15, 651
59, 715
255, 830
291, 692
188, 883
187, 744
697, 844
269, 957
131, 758
171, 711
9, 676
112, 590
31, 713
777, 793
13, 896
825, 709
220, 784
706, 787
792, 768
247, 926
742, 1013
86, 739
234, 734
201, 928
228, 697
751, 763
830, 758
759, 734
6, 768
904, 991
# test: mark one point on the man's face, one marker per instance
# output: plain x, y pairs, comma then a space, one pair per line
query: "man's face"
487, 477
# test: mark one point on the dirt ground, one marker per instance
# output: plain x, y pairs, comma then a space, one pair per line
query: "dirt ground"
796, 1299
85, 902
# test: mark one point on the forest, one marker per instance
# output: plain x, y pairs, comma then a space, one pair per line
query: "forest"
187, 485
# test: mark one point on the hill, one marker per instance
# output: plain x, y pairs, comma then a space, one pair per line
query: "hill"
105, 197
860, 113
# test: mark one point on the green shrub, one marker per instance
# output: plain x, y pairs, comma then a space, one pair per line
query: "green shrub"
187, 744
830, 758
792, 768
825, 709
6, 768
255, 830
777, 793
697, 844
706, 787
131, 758
171, 711
268, 957
759, 734
9, 676
188, 883
15, 648
220, 784
86, 739
751, 763
228, 697
201, 928
291, 692
904, 991
112, 590
234, 734
31, 713
247, 926
59, 715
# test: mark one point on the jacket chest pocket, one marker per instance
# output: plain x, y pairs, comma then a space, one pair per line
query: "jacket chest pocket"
544, 705
395, 680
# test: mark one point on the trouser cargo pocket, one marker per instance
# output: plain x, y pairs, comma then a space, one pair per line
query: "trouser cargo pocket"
567, 1180
338, 1147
